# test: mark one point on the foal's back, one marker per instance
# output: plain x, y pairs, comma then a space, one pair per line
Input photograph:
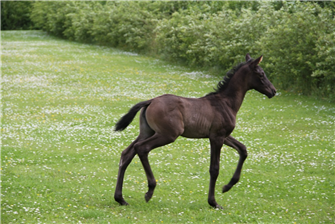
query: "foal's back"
188, 117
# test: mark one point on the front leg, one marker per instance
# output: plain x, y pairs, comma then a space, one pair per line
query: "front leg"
242, 151
216, 144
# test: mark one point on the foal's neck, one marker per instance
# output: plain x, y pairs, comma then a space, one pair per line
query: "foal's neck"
234, 93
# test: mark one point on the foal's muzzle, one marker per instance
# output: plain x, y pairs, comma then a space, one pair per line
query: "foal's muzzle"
274, 91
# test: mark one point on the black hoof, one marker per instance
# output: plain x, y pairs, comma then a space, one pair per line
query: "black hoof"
218, 207
121, 201
214, 204
124, 203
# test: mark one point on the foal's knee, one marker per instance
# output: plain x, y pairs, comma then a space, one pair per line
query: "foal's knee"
214, 171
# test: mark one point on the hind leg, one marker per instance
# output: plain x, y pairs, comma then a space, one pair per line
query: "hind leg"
143, 148
126, 158
165, 118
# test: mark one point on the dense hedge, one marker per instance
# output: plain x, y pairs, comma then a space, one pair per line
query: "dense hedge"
15, 15
297, 39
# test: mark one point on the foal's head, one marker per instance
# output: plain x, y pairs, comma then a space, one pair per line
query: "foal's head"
258, 79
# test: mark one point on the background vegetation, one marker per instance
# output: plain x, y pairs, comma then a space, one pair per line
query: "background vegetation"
60, 155
15, 15
297, 39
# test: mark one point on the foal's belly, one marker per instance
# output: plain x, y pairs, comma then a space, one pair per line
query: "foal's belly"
196, 130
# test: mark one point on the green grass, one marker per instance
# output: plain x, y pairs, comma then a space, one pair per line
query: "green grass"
60, 155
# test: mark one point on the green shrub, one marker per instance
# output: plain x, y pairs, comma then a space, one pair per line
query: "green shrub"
53, 16
297, 46
212, 40
174, 36
81, 21
324, 72
15, 15
120, 24
129, 26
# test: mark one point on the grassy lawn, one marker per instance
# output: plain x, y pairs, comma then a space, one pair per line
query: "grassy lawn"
60, 155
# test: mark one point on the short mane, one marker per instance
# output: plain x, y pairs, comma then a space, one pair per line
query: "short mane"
222, 85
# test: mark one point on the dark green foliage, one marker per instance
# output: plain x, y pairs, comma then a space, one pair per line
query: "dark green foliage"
118, 24
15, 15
296, 38
299, 47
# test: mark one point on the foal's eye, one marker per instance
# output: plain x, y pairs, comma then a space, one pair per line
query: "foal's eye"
261, 77
261, 74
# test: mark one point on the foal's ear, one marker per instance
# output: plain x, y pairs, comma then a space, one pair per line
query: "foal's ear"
256, 61
247, 57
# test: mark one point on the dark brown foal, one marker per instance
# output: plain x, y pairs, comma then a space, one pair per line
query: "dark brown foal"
164, 118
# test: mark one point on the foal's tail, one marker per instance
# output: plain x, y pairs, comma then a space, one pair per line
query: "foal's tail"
128, 118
